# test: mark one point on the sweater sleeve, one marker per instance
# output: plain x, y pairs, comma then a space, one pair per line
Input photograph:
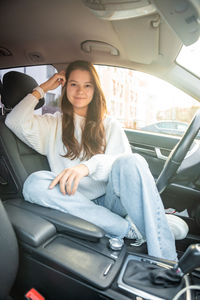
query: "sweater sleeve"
30, 128
99, 165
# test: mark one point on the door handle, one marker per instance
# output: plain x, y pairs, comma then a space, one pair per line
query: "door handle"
159, 154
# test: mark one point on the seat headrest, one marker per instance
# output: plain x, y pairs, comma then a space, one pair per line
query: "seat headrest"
16, 86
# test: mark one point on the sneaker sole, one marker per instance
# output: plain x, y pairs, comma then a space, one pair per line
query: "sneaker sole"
178, 226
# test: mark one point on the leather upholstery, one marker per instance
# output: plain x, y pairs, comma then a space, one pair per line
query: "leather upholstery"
8, 254
21, 211
16, 86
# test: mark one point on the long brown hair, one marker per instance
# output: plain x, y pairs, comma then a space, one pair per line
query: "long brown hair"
93, 133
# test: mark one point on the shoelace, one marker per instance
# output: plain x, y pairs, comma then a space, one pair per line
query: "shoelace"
138, 243
134, 233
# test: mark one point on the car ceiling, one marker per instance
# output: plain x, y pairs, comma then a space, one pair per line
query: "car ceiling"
54, 32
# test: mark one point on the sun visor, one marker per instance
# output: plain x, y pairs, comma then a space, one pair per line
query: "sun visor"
183, 17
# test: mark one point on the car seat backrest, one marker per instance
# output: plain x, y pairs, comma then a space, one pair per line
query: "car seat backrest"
17, 160
8, 254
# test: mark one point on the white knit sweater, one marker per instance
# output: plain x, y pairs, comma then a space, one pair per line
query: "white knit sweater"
44, 134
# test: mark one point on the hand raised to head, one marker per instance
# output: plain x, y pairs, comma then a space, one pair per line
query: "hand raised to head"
53, 82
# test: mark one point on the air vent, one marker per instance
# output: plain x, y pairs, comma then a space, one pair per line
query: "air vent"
35, 57
5, 52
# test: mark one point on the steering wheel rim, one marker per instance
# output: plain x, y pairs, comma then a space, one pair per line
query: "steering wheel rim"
178, 154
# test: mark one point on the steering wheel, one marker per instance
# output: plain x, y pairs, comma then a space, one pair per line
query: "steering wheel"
178, 154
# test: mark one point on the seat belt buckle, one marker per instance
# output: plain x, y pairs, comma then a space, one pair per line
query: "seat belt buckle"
32, 294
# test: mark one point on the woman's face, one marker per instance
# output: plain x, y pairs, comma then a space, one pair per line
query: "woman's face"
80, 91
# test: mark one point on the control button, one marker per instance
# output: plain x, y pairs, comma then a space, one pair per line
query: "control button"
107, 269
116, 243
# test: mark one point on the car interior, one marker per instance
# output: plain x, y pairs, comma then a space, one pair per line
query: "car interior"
47, 254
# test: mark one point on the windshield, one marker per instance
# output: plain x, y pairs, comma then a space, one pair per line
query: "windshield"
189, 58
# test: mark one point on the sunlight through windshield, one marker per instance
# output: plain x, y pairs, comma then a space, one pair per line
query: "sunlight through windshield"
189, 58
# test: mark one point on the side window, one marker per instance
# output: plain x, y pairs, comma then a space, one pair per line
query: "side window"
41, 74
138, 100
143, 102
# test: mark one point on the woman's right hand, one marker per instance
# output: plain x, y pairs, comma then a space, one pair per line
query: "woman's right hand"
69, 179
53, 82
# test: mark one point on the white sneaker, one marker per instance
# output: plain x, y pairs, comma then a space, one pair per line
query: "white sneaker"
178, 226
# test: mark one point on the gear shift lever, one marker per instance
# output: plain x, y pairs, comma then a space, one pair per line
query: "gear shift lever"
189, 261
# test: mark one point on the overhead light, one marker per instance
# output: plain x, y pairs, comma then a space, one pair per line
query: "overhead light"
112, 10
94, 46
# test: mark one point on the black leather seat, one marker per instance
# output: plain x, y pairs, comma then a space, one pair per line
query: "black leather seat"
8, 251
8, 255
17, 161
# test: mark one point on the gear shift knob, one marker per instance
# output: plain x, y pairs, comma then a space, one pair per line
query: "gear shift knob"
189, 261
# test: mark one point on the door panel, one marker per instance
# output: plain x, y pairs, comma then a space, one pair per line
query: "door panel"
181, 194
153, 147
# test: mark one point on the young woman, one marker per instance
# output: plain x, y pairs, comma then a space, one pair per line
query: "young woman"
94, 174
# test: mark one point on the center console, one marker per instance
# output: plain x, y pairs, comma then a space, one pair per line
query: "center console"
73, 266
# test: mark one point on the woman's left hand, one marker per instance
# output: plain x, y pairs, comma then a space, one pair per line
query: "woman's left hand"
69, 179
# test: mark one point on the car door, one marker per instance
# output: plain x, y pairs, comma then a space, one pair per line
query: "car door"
140, 102
155, 148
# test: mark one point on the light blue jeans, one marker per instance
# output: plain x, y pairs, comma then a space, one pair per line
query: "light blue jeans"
130, 190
